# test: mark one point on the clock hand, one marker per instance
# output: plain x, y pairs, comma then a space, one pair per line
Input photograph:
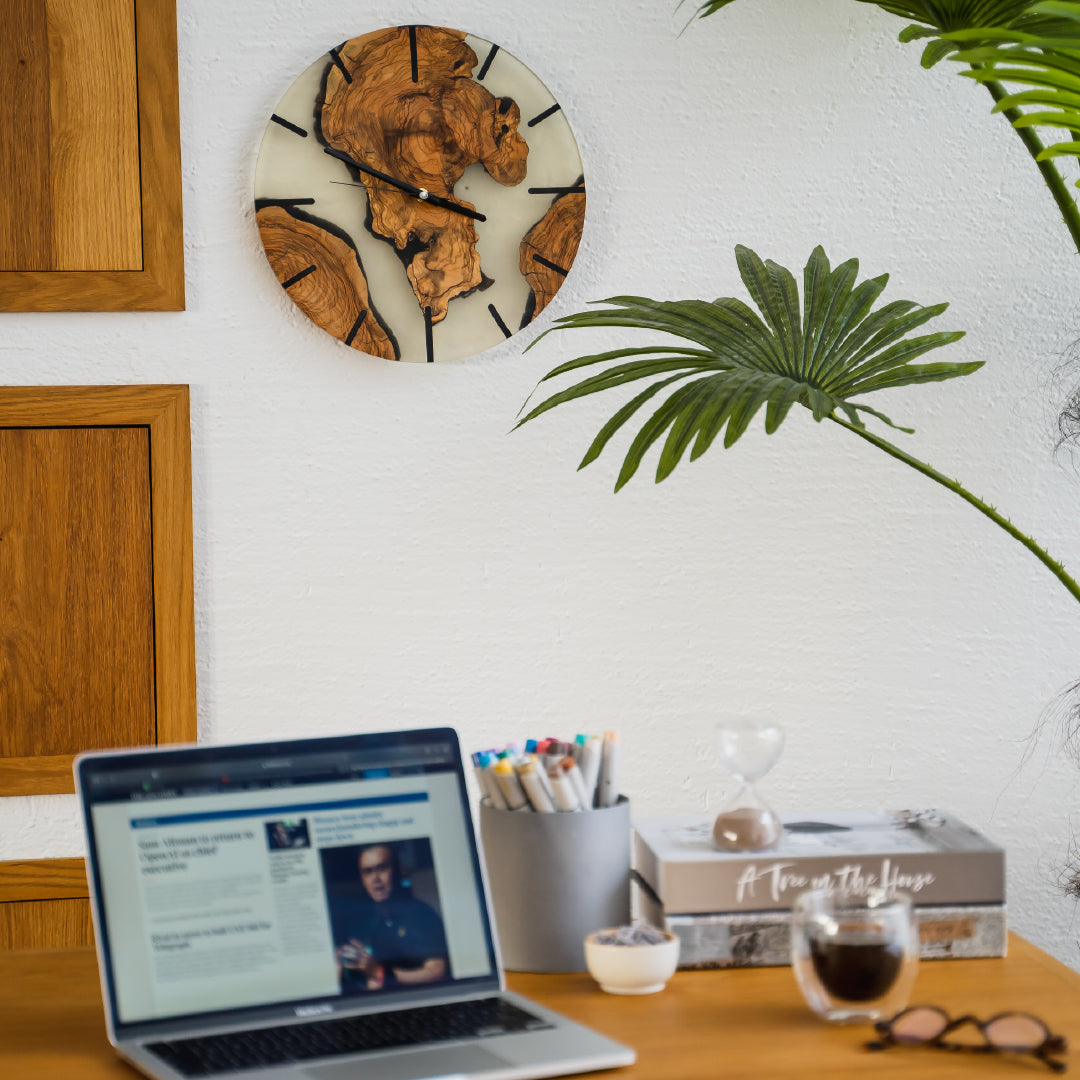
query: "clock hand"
403, 185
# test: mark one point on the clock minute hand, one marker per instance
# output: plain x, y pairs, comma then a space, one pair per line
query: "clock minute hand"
403, 185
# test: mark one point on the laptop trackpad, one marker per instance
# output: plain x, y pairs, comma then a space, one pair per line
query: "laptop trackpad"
413, 1065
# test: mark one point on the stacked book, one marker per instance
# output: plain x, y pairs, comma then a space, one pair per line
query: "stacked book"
733, 909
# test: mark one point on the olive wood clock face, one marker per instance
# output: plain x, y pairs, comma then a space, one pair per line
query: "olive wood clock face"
419, 193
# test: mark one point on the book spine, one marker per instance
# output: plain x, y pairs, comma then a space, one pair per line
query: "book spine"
763, 938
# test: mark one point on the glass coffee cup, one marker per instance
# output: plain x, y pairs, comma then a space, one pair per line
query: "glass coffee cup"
855, 956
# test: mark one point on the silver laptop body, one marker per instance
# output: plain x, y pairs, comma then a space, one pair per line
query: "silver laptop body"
293, 891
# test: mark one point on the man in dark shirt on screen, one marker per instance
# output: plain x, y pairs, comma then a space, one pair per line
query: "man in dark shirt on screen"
389, 937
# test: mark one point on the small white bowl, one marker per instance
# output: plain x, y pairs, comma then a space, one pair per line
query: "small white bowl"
631, 969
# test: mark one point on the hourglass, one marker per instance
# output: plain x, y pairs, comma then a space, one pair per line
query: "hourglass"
748, 749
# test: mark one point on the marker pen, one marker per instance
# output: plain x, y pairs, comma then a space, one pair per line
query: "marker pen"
590, 767
578, 747
569, 769
478, 772
490, 784
538, 795
541, 772
608, 794
510, 785
555, 752
565, 796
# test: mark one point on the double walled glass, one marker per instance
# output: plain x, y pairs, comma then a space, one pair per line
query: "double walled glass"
855, 956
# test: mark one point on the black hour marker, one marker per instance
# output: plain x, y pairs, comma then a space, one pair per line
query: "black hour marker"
298, 277
412, 53
550, 265
335, 55
544, 115
487, 63
356, 326
427, 336
507, 332
289, 125
556, 190
260, 203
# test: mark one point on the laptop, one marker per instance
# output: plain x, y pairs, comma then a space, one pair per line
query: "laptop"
306, 910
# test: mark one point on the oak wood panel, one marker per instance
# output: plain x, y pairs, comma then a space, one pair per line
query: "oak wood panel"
69, 141
163, 412
25, 237
36, 774
738, 1024
43, 879
94, 148
46, 924
44, 904
76, 611
157, 213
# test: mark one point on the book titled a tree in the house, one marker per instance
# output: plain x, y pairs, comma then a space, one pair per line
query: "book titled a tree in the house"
733, 908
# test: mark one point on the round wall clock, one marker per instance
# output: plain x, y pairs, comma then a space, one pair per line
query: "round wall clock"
419, 193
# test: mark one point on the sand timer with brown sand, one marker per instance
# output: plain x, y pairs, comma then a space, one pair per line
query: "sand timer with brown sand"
748, 749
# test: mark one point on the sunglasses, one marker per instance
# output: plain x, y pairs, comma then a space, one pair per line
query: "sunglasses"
1007, 1032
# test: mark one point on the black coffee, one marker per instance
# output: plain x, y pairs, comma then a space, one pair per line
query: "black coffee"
856, 970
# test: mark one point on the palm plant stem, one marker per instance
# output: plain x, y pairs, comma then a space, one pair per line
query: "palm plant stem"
1043, 556
1054, 180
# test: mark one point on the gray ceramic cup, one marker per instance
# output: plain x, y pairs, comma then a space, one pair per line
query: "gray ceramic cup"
555, 878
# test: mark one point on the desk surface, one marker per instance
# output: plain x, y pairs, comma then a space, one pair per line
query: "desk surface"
705, 1025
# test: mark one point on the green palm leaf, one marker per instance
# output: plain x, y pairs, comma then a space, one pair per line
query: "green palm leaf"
819, 351
1022, 43
939, 16
1048, 64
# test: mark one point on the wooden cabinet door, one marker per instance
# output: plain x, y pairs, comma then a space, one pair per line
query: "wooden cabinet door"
96, 607
90, 189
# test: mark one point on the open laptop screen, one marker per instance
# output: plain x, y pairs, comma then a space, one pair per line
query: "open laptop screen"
231, 878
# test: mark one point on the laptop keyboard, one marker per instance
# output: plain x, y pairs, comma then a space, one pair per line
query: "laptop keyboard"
414, 1026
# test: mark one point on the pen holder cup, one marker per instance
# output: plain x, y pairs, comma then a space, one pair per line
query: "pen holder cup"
554, 878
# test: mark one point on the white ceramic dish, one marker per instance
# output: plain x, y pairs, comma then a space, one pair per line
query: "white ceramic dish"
631, 969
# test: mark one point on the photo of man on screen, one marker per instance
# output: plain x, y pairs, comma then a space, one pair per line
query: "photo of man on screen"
383, 935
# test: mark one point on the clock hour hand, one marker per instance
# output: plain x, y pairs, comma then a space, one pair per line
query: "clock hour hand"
403, 185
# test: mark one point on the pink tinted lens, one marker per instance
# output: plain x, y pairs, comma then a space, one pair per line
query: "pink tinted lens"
919, 1025
1016, 1031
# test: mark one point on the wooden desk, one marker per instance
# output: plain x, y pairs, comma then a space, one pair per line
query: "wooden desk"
705, 1025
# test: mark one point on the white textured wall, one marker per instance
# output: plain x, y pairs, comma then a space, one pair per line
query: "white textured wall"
374, 549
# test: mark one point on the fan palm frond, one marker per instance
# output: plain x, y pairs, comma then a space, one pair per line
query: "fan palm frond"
938, 15
1029, 43
1046, 62
820, 354
820, 351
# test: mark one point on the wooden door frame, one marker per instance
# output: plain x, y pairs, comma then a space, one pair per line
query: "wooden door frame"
60, 884
165, 412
